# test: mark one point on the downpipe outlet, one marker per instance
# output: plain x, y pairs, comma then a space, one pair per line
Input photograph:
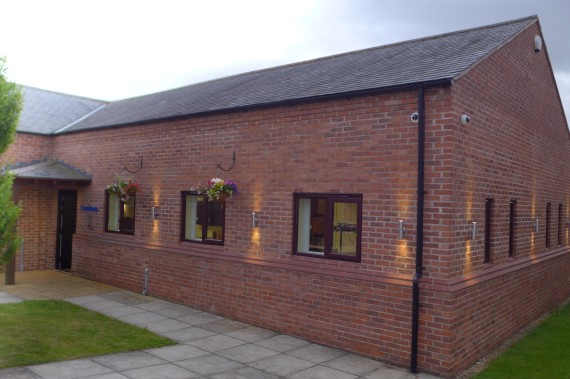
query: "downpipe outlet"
145, 289
415, 321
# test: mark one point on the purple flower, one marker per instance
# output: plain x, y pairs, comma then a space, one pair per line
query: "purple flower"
232, 184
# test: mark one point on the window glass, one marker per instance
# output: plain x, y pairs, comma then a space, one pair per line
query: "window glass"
311, 224
203, 220
328, 225
128, 220
120, 214
114, 212
345, 228
215, 221
193, 228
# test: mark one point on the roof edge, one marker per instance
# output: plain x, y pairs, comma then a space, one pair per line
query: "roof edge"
65, 94
506, 41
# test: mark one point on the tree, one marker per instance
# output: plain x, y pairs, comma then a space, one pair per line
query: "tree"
9, 212
10, 109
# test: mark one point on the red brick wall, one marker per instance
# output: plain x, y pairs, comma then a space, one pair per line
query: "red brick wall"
28, 147
37, 225
491, 307
516, 147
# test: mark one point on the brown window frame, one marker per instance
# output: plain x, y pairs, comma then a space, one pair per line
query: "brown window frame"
488, 229
326, 212
547, 228
560, 225
512, 219
122, 222
203, 215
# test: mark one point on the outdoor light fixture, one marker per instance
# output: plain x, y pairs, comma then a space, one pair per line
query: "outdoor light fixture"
254, 219
535, 225
153, 213
473, 230
537, 44
401, 229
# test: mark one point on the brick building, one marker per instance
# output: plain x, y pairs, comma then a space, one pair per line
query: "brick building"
408, 202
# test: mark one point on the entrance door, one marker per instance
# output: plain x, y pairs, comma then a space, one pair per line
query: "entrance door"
66, 219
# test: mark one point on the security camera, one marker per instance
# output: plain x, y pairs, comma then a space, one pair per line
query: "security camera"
465, 119
415, 117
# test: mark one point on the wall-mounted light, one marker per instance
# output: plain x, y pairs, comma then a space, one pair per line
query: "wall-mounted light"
254, 219
473, 233
535, 225
154, 212
401, 229
537, 44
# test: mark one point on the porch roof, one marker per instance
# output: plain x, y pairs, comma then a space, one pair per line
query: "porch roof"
49, 170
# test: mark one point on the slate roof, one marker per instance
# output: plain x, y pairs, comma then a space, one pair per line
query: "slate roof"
46, 112
434, 59
49, 169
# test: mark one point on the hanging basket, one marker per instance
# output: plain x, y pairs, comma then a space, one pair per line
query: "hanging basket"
222, 198
124, 187
219, 190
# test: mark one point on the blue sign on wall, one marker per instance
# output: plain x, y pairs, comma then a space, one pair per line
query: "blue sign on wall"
89, 208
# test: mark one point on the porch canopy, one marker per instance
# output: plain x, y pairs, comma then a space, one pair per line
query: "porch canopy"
50, 170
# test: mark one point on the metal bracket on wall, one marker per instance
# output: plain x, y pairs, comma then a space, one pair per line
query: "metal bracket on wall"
219, 166
135, 171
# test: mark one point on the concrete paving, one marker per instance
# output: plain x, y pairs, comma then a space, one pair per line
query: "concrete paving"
209, 346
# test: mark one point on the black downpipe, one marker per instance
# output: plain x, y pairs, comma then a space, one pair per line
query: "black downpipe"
419, 231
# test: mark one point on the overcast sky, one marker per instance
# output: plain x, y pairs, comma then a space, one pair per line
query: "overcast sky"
115, 49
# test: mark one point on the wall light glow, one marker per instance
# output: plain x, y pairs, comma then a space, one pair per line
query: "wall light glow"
468, 267
154, 214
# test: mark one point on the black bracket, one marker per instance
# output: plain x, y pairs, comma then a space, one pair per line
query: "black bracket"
137, 170
233, 163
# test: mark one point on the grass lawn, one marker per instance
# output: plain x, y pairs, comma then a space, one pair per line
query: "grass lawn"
543, 353
35, 332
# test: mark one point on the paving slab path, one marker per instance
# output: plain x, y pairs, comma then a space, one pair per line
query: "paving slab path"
209, 346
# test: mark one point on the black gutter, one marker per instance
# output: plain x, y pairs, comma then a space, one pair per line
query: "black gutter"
419, 231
